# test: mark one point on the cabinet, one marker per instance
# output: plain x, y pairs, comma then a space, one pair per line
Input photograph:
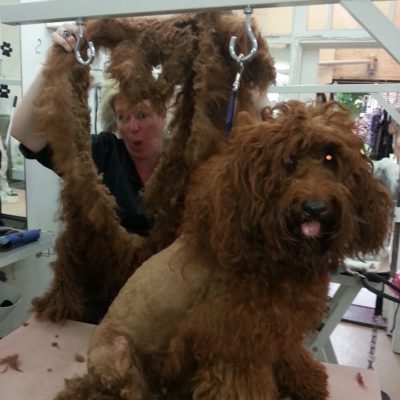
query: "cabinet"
24, 281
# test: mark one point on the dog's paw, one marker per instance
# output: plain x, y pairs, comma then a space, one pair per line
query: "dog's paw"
83, 388
114, 363
53, 307
314, 387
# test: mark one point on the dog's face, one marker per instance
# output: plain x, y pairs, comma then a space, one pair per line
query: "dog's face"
317, 186
297, 185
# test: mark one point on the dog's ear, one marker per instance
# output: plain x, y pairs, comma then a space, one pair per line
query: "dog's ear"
375, 214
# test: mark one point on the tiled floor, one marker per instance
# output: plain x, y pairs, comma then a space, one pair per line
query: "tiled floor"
351, 345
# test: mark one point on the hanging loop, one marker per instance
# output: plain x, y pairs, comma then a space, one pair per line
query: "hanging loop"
78, 46
241, 58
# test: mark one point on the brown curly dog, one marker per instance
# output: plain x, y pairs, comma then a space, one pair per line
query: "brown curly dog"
95, 255
222, 313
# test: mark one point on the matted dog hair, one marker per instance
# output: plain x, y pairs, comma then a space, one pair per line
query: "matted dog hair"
95, 255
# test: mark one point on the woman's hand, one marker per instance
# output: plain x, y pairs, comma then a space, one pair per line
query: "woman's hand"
23, 125
65, 36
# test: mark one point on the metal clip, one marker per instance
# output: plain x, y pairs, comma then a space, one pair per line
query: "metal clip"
78, 46
236, 82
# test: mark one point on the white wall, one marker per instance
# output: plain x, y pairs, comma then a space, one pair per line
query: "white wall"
32, 275
42, 185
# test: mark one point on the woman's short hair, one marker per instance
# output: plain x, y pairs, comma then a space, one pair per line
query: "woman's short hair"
109, 90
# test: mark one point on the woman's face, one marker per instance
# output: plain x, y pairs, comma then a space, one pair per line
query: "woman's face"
140, 127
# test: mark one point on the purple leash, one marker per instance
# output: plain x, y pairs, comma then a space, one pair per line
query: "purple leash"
230, 113
241, 59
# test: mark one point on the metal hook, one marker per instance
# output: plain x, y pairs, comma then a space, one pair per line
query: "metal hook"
241, 58
81, 38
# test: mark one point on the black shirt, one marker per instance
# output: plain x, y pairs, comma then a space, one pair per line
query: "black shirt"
119, 175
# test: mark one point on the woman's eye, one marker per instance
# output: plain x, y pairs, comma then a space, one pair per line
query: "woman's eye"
140, 116
290, 166
122, 119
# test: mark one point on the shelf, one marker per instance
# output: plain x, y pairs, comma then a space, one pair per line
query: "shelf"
373, 88
17, 174
11, 256
338, 88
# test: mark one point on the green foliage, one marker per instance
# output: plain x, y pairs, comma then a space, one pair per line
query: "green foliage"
352, 101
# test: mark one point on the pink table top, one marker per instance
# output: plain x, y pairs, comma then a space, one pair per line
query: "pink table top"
48, 353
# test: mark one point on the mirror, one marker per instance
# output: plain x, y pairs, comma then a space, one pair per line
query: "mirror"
12, 165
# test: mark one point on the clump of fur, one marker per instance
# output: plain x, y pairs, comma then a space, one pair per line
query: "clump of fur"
95, 256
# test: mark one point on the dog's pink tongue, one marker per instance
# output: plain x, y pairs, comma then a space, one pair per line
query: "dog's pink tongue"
311, 228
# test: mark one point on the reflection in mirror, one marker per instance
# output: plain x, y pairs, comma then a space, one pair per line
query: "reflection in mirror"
12, 171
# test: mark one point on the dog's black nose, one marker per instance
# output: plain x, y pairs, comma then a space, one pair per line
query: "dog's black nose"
313, 208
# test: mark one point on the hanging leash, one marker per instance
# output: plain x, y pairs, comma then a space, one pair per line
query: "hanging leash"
367, 277
377, 318
373, 341
374, 277
230, 113
241, 59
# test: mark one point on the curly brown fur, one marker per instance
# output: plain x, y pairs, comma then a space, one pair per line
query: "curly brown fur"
300, 139
247, 280
193, 50
95, 255
80, 285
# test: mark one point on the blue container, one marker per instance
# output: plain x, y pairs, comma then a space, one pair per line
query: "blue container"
15, 239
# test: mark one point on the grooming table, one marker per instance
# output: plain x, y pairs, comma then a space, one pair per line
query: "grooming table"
349, 287
49, 353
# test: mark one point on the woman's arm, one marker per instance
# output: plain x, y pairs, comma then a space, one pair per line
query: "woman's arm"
23, 125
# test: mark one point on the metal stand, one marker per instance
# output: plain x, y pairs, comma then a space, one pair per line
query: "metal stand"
320, 344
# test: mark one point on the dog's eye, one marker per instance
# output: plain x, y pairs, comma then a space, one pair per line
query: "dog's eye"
290, 166
329, 158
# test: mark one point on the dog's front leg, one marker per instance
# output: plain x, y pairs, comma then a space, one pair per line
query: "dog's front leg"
300, 376
228, 382
115, 364
208, 377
